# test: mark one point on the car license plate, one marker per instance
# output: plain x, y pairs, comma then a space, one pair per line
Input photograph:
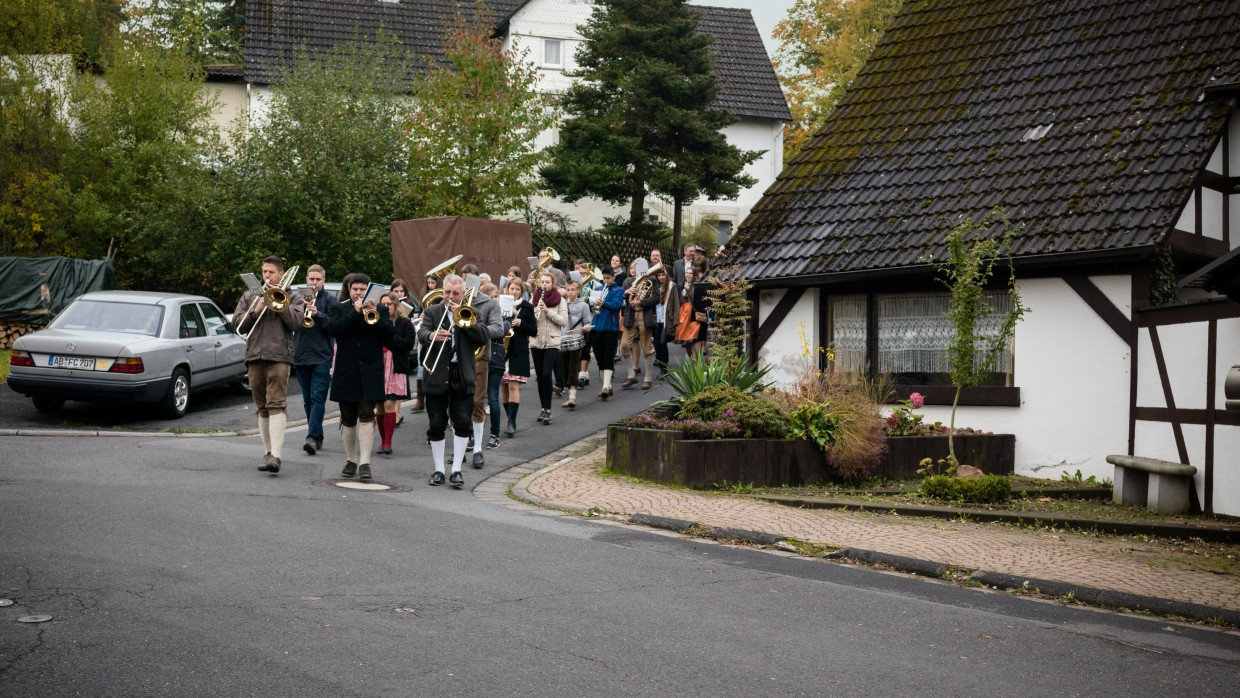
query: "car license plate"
71, 362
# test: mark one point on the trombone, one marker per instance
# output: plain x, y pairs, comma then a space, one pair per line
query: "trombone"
275, 297
463, 316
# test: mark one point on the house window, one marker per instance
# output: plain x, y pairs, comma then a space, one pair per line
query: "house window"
913, 337
551, 52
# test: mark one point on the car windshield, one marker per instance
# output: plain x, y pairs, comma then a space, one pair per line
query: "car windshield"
110, 316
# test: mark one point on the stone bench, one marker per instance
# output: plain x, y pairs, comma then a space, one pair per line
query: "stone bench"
1158, 485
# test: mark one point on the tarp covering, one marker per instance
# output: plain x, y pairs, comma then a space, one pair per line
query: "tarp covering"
423, 243
34, 289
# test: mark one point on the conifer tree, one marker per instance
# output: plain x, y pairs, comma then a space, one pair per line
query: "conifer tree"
639, 118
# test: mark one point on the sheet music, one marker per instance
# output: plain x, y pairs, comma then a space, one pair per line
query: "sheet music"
575, 275
506, 305
373, 293
533, 263
596, 295
251, 282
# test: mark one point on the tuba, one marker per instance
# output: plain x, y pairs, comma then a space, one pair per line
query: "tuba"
444, 269
546, 262
644, 285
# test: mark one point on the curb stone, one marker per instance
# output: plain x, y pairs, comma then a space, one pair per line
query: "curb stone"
1107, 597
911, 565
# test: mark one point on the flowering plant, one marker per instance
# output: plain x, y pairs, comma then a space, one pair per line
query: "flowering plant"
904, 422
691, 428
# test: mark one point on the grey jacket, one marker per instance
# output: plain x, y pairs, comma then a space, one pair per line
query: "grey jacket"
491, 318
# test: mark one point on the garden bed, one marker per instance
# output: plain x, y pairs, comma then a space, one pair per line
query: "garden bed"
993, 454
668, 457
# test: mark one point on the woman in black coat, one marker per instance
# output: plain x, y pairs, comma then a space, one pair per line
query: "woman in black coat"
524, 326
395, 370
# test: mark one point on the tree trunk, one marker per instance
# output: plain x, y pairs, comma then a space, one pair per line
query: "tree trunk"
637, 210
676, 227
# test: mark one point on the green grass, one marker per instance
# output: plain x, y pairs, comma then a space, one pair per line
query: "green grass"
4, 365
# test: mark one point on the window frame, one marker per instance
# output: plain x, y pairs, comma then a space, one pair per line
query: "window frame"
547, 41
991, 396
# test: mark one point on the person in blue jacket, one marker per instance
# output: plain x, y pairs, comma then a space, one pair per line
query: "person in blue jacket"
606, 333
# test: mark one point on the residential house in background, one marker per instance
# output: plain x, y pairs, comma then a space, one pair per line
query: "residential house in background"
545, 32
1106, 128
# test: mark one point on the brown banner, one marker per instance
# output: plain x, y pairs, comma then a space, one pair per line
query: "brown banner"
423, 243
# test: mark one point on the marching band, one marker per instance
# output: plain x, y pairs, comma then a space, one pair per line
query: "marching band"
460, 352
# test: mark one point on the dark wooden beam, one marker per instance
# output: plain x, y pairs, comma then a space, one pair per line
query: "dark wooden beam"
1176, 426
1102, 306
777, 316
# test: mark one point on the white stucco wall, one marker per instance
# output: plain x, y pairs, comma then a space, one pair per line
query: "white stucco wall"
784, 352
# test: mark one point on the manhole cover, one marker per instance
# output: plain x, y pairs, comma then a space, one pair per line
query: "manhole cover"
6, 602
34, 619
357, 486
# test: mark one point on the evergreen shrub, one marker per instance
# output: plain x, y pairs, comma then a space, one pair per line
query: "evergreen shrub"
988, 489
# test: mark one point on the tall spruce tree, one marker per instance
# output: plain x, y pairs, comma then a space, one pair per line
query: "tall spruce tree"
639, 117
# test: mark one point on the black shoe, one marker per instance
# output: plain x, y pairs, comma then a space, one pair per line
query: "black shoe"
363, 472
479, 461
310, 447
436, 479
350, 469
384, 451
558, 391
318, 445
493, 442
512, 427
547, 417
456, 479
265, 465
274, 467
470, 446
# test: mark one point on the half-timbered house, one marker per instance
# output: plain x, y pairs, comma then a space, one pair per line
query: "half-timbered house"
1107, 129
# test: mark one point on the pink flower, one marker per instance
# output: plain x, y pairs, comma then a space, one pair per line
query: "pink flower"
917, 400
893, 419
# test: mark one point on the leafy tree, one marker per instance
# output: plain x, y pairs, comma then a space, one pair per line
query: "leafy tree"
210, 31
472, 129
142, 142
823, 43
78, 27
972, 254
319, 176
640, 113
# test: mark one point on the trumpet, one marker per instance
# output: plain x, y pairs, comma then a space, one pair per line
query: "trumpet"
307, 320
370, 316
275, 297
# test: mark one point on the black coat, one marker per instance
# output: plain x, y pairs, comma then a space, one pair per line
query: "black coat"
359, 354
404, 339
519, 345
467, 340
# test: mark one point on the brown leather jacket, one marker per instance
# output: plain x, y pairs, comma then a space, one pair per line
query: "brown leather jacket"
272, 339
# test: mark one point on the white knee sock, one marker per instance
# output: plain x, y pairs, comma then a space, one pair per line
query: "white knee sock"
458, 451
365, 440
264, 430
572, 393
606, 376
646, 367
437, 454
349, 434
276, 423
479, 430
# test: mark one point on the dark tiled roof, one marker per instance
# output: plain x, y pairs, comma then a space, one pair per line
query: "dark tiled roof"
277, 29
1082, 118
748, 85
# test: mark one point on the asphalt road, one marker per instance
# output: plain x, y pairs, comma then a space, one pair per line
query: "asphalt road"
171, 567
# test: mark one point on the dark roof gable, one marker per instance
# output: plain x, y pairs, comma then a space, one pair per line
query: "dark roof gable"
1084, 119
277, 29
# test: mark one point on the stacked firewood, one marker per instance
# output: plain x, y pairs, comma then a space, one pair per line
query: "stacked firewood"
10, 331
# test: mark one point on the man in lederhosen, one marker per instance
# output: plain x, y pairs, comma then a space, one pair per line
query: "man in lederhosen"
448, 377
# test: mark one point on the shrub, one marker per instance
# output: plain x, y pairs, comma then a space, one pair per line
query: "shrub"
812, 422
990, 488
859, 442
756, 417
691, 428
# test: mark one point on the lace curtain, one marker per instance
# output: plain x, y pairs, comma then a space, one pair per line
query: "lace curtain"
913, 332
848, 333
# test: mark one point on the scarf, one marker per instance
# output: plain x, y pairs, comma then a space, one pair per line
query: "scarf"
552, 298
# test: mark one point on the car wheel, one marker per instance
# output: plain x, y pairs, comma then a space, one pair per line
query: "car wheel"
47, 404
176, 400
241, 386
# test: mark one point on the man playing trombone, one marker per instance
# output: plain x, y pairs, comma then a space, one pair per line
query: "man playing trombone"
269, 354
448, 381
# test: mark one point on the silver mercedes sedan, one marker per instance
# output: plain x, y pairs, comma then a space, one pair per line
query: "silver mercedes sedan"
135, 346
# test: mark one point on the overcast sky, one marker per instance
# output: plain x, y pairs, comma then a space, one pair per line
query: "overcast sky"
765, 14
